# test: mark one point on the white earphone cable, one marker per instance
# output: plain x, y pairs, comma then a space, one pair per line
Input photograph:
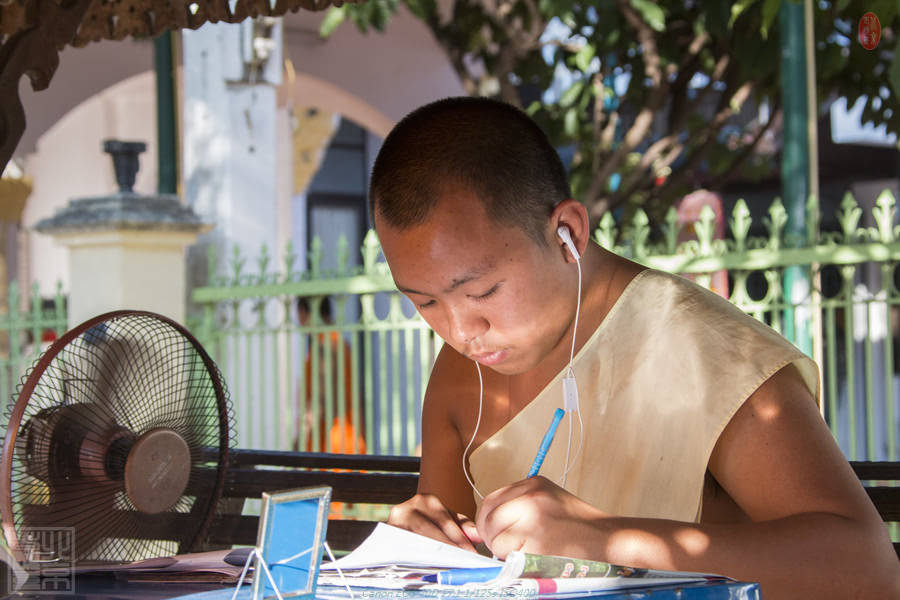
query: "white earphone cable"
474, 433
571, 373
577, 313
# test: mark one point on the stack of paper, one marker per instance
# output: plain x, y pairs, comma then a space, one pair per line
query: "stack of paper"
393, 558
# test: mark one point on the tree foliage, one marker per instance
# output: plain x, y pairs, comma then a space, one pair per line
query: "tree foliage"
654, 98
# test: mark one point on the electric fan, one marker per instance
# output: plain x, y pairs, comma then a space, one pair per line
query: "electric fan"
120, 432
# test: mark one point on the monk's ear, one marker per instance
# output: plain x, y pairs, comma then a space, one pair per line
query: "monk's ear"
570, 216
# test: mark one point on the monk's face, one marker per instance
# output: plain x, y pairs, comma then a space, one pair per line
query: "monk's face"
490, 291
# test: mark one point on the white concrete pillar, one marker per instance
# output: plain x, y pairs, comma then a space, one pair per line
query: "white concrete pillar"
126, 250
113, 269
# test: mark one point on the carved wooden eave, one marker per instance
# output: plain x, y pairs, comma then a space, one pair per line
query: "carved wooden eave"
32, 32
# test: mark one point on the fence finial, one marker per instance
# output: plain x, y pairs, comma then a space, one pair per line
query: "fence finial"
289, 257
705, 227
849, 217
237, 264
775, 223
740, 225
883, 212
371, 248
607, 232
315, 257
671, 229
262, 263
639, 232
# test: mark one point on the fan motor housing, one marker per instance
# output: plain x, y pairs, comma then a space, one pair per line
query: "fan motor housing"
157, 470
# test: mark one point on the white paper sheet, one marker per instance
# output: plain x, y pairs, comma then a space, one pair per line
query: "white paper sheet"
389, 545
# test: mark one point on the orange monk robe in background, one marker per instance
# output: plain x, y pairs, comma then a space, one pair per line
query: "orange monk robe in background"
339, 436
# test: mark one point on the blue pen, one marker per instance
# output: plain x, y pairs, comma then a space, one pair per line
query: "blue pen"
461, 576
545, 443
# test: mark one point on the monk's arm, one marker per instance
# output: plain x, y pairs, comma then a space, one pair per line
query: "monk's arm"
444, 507
812, 533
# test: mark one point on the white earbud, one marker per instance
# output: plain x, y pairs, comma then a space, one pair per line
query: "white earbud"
566, 237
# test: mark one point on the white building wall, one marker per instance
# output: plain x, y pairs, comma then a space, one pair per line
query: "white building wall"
230, 167
391, 72
235, 154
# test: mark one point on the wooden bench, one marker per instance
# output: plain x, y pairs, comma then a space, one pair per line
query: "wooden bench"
393, 479
876, 477
357, 478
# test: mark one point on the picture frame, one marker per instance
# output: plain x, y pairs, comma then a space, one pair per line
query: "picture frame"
290, 541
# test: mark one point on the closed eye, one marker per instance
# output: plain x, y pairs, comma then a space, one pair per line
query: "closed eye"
487, 294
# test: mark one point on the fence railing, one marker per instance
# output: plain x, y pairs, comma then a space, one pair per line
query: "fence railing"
371, 374
27, 326
846, 318
374, 382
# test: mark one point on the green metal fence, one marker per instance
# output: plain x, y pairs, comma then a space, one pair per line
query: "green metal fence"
27, 326
249, 324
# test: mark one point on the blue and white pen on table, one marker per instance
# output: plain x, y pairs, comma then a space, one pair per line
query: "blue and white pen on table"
545, 443
461, 576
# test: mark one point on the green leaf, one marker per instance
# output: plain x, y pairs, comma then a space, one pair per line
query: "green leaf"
381, 14
360, 16
333, 18
570, 123
737, 9
652, 14
570, 95
422, 9
584, 57
769, 14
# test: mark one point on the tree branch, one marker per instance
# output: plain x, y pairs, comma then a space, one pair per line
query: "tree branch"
669, 145
644, 119
725, 112
647, 41
725, 176
522, 36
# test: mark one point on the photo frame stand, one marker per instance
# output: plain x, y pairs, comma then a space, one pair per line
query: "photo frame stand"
255, 554
260, 562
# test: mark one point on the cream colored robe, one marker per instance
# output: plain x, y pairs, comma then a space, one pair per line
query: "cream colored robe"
658, 381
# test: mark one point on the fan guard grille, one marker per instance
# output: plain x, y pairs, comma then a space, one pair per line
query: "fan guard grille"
119, 380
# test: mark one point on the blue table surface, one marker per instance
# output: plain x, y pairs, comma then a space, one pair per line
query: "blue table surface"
110, 588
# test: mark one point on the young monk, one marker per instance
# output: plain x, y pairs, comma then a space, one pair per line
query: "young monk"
696, 445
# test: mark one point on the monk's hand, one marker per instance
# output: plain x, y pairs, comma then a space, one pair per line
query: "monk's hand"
426, 514
537, 516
